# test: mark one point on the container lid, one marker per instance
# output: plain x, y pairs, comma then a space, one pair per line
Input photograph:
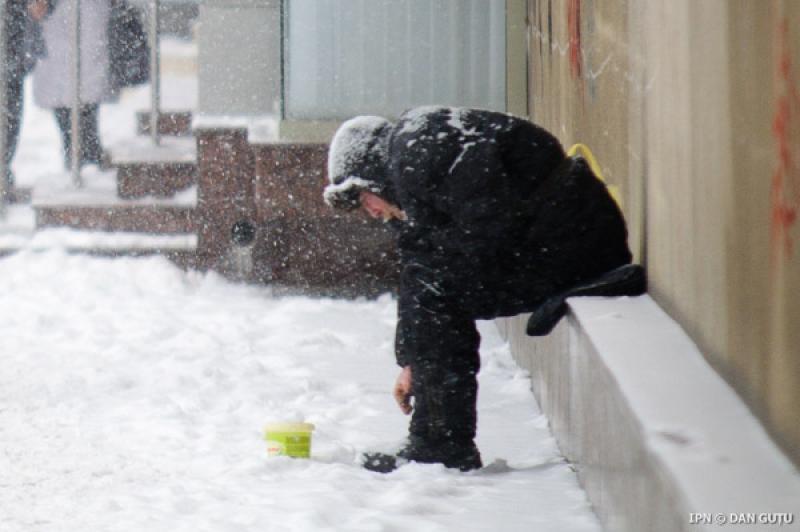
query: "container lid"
289, 427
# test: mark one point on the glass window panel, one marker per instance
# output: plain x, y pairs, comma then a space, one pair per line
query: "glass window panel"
351, 57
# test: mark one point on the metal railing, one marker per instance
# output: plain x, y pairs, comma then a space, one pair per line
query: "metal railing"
155, 85
155, 73
77, 180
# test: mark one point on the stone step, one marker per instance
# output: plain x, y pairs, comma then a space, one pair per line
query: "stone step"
144, 169
174, 123
96, 207
160, 180
155, 219
179, 248
101, 242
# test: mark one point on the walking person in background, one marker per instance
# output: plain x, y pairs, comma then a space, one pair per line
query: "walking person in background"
53, 78
494, 220
21, 50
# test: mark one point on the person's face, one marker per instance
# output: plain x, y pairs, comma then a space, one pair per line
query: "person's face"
377, 207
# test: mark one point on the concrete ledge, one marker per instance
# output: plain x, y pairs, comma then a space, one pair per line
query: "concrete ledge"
660, 441
269, 129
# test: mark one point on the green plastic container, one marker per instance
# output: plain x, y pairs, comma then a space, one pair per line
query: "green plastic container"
289, 439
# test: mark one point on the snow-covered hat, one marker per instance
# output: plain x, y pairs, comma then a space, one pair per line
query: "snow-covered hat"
358, 160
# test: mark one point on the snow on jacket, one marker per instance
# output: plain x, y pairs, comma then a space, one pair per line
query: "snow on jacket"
467, 179
52, 77
499, 219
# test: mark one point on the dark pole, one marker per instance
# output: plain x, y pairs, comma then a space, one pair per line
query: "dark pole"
3, 108
76, 96
155, 73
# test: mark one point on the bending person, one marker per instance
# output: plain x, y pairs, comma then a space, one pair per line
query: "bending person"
493, 220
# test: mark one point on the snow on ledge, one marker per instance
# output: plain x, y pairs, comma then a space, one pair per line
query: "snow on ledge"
140, 150
693, 422
270, 129
77, 240
96, 196
267, 124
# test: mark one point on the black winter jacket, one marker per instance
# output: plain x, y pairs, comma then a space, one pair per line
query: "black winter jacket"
24, 41
498, 219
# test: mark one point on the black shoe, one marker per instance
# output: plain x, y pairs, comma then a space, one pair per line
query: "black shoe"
461, 456
382, 462
627, 280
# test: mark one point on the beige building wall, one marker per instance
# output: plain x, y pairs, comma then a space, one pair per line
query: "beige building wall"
692, 109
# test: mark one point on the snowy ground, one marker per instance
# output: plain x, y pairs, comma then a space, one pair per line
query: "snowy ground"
133, 397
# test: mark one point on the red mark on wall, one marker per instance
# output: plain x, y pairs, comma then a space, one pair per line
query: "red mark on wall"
574, 27
785, 191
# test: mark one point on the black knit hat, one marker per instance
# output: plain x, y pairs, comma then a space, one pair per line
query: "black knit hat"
358, 160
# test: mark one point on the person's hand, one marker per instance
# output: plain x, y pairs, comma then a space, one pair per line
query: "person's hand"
37, 9
402, 390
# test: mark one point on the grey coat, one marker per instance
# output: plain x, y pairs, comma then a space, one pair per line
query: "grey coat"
52, 77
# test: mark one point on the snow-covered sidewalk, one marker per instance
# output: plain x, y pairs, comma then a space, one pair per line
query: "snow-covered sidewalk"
133, 397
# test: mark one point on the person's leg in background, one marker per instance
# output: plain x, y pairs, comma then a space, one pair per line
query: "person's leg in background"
14, 19
64, 120
14, 103
91, 149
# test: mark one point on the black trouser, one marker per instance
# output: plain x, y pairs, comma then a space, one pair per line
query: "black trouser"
445, 345
440, 335
14, 103
445, 384
576, 234
14, 18
91, 149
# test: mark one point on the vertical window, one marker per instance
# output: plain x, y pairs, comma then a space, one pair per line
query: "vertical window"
351, 57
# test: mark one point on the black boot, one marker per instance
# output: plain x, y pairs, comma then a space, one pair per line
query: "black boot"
445, 388
627, 280
91, 149
463, 456
63, 119
442, 428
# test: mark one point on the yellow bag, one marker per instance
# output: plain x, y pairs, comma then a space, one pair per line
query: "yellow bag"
583, 150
